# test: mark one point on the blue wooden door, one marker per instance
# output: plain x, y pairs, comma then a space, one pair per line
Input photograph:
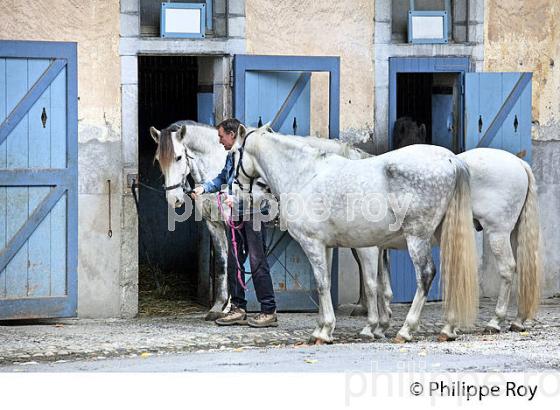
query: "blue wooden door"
498, 112
265, 94
276, 90
280, 98
403, 277
38, 180
442, 120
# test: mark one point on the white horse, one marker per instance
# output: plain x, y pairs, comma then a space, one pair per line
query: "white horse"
435, 182
188, 147
504, 204
172, 158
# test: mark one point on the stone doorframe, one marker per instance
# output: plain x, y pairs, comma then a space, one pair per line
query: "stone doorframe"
132, 45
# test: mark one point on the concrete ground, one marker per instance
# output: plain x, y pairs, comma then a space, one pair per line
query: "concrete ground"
184, 342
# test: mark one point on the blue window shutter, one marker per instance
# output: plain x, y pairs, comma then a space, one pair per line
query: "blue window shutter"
498, 112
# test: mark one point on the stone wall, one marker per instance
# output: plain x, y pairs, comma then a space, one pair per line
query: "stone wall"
318, 28
94, 25
525, 36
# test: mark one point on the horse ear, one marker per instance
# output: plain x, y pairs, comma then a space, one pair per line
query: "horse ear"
155, 134
241, 133
423, 133
182, 132
268, 128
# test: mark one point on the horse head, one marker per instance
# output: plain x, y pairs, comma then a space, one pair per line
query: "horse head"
407, 132
173, 159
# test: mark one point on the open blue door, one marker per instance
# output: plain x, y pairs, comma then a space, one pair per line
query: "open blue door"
442, 100
498, 112
38, 180
277, 89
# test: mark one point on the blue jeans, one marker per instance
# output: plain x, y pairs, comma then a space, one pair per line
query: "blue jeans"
251, 243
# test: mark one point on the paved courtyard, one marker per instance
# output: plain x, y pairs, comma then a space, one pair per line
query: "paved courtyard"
179, 328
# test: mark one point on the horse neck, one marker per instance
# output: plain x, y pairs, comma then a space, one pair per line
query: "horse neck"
271, 153
343, 149
333, 146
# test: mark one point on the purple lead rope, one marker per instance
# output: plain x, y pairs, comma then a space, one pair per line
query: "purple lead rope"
229, 222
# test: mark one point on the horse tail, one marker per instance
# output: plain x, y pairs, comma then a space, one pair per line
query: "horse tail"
528, 252
458, 253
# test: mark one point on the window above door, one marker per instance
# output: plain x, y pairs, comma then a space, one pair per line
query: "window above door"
457, 23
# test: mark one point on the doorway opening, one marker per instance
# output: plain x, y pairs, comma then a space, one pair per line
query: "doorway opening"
170, 89
434, 100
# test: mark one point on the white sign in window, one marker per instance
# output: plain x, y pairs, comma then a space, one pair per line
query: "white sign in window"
182, 21
427, 27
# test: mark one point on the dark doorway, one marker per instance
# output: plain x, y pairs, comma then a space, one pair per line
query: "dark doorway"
432, 99
168, 260
413, 98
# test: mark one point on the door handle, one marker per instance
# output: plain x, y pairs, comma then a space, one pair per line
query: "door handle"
480, 124
44, 117
515, 123
450, 123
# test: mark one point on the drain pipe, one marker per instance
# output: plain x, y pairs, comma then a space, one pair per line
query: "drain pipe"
227, 18
467, 21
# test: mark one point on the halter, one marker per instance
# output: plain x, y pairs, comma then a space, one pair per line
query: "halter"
240, 167
183, 184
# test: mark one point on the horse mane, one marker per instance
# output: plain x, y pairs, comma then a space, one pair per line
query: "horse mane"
325, 146
165, 152
200, 137
301, 145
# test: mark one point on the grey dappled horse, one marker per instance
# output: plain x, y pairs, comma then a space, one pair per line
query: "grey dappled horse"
505, 208
188, 147
431, 179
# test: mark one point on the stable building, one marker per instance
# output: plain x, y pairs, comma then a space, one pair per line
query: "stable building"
83, 82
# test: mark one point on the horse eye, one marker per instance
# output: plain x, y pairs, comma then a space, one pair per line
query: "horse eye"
178, 158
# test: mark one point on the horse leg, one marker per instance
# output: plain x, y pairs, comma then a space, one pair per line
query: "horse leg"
316, 252
500, 244
219, 239
369, 261
360, 309
385, 294
518, 325
420, 251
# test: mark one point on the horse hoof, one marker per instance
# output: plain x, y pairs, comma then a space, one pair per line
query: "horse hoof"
367, 333
516, 327
211, 316
359, 311
379, 335
492, 330
445, 338
318, 341
399, 339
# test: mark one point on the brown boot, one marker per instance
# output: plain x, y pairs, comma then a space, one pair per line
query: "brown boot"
236, 316
263, 320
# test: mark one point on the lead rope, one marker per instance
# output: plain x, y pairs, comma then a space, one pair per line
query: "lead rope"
229, 222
